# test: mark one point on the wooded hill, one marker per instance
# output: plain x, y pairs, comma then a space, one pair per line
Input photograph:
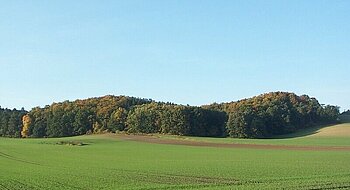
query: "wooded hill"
262, 116
274, 113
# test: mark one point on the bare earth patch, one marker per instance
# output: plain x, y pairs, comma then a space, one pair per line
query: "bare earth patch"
71, 143
157, 140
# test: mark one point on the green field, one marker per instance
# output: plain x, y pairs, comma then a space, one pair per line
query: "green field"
108, 162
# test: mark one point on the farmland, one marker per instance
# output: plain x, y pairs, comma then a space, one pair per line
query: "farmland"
197, 95
111, 161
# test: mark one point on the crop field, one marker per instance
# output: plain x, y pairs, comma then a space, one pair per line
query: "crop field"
318, 158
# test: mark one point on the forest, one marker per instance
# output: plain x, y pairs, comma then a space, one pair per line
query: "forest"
261, 116
274, 113
11, 122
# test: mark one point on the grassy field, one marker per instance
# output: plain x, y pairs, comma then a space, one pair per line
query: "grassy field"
333, 135
108, 162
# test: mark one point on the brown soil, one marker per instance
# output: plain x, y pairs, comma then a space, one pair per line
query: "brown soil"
157, 140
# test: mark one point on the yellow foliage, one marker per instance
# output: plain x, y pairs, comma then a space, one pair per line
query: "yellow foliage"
26, 120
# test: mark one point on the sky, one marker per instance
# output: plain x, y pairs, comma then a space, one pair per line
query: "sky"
183, 51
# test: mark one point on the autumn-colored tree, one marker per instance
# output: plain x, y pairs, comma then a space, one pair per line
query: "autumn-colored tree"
261, 116
117, 120
275, 113
26, 124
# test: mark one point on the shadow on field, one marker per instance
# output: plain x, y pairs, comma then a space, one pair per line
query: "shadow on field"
312, 130
303, 132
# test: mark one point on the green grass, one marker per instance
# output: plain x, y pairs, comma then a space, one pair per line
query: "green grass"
105, 162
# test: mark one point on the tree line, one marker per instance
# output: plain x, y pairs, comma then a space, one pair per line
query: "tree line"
347, 112
274, 113
258, 117
176, 120
121, 113
11, 122
93, 115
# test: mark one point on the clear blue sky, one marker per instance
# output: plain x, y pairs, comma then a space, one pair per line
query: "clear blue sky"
189, 52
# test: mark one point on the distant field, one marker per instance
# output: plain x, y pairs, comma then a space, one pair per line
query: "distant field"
334, 135
118, 162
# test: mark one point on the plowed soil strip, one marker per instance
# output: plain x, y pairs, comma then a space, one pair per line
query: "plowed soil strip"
156, 140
